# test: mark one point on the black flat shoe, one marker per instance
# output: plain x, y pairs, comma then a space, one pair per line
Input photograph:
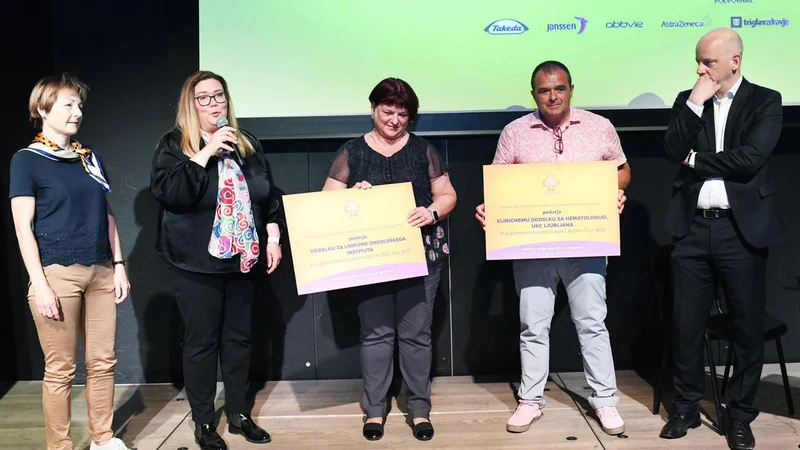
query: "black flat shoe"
679, 424
243, 424
373, 431
206, 436
423, 431
740, 436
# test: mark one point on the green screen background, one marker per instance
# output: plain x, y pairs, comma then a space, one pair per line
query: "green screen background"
323, 57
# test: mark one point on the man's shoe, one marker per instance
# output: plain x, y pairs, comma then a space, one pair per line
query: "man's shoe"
243, 424
527, 412
678, 424
610, 421
207, 437
740, 436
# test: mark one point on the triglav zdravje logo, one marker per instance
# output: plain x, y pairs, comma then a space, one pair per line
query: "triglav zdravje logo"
580, 25
739, 22
506, 26
352, 208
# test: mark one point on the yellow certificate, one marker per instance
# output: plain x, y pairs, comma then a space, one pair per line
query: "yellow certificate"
563, 210
353, 237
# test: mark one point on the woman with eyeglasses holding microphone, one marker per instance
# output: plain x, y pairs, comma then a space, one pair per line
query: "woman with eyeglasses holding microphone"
219, 219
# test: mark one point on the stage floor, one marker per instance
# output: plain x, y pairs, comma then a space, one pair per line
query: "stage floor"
467, 413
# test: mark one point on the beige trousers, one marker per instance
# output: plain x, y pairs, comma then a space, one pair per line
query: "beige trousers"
87, 308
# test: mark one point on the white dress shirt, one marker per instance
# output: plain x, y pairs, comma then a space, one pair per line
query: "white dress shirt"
713, 194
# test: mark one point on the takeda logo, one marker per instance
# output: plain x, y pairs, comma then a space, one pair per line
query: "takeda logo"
506, 26
580, 26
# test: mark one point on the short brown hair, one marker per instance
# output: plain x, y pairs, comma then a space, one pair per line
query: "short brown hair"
396, 92
46, 91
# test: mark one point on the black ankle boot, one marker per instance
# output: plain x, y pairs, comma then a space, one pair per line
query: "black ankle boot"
207, 437
243, 424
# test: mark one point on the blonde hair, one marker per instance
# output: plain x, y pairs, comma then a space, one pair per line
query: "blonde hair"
189, 123
45, 93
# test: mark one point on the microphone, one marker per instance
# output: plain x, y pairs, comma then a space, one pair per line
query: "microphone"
223, 122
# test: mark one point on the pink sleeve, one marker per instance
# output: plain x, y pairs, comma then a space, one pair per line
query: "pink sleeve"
613, 148
505, 152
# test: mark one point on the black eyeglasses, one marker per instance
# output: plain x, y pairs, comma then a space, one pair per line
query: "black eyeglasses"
559, 142
205, 100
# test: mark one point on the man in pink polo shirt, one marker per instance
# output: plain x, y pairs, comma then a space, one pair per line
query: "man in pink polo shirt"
556, 132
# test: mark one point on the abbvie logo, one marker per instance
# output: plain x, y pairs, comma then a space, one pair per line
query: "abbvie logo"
624, 25
506, 26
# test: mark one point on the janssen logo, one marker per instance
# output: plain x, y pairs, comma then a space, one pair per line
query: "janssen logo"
621, 24
506, 26
579, 26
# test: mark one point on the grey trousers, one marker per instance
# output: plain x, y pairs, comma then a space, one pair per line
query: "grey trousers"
403, 310
585, 282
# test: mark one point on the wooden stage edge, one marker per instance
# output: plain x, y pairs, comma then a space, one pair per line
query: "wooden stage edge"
466, 414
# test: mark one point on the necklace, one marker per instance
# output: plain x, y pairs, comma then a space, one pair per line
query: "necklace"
375, 140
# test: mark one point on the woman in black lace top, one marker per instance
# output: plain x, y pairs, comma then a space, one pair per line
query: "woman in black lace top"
389, 154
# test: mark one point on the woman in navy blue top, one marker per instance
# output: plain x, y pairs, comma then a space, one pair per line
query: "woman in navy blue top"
71, 249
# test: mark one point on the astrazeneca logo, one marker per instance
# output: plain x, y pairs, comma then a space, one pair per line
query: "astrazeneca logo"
624, 25
683, 24
580, 26
739, 22
506, 26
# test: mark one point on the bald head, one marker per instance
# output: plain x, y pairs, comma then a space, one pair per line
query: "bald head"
724, 39
719, 57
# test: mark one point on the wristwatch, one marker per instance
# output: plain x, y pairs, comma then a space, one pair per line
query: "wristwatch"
434, 214
273, 240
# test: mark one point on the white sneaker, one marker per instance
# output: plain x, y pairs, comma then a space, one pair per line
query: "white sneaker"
113, 444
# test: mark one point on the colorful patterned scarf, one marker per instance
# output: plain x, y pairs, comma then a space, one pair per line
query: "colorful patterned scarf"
91, 163
234, 230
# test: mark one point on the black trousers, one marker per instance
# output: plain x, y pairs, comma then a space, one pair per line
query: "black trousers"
216, 311
712, 252
401, 310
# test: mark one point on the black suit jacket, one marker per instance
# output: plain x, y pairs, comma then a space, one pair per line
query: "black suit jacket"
751, 132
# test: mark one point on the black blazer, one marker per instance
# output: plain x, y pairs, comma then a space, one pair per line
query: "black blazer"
187, 193
751, 132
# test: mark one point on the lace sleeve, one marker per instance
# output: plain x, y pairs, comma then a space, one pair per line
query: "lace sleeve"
435, 168
340, 169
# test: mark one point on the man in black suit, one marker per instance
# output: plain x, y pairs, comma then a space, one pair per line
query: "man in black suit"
723, 215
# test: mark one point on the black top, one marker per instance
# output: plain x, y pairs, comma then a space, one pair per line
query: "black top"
71, 218
751, 133
417, 162
188, 196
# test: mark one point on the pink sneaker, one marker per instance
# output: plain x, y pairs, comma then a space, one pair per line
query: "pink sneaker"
610, 420
527, 412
